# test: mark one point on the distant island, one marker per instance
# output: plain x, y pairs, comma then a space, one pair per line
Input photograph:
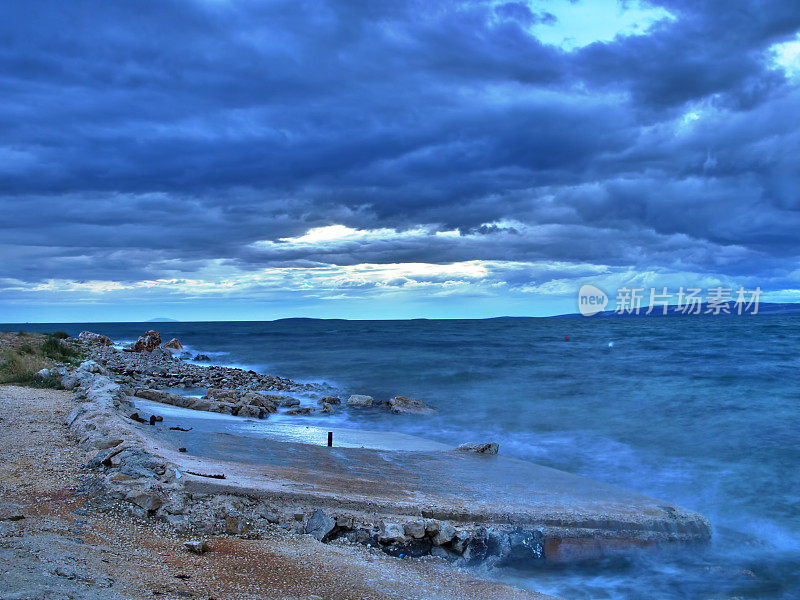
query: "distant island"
162, 320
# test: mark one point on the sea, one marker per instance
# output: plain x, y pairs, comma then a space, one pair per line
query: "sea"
702, 411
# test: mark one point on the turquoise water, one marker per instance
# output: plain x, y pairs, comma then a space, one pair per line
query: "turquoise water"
701, 411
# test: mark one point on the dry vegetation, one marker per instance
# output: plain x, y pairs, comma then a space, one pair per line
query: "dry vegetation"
23, 355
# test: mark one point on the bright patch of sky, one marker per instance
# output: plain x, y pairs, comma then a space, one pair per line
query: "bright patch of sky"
786, 56
332, 235
580, 23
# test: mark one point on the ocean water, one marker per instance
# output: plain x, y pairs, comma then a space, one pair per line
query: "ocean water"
702, 411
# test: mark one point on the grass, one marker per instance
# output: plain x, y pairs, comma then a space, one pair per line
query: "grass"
20, 365
54, 348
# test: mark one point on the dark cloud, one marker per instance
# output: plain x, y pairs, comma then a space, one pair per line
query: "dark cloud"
146, 139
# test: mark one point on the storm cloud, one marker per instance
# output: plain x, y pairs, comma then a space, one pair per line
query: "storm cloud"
182, 150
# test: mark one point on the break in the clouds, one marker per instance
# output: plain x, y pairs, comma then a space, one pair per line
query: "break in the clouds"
237, 159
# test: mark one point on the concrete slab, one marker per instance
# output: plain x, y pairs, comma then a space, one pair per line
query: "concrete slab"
579, 517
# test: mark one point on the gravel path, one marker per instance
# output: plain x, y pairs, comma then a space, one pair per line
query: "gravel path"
55, 543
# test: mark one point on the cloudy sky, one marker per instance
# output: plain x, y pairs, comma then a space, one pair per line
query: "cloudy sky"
213, 159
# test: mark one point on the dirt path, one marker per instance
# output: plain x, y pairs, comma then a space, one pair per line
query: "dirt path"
63, 547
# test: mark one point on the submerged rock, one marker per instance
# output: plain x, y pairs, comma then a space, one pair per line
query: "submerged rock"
329, 400
305, 410
360, 400
201, 357
403, 405
488, 448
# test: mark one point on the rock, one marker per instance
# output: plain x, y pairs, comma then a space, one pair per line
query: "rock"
252, 412
391, 533
147, 342
283, 401
265, 512
445, 553
94, 338
43, 374
173, 344
360, 400
490, 448
201, 358
520, 547
477, 546
90, 366
345, 522
306, 410
69, 382
329, 400
327, 409
415, 529
410, 406
261, 400
222, 395
104, 456
445, 534
147, 500
320, 525
360, 536
195, 546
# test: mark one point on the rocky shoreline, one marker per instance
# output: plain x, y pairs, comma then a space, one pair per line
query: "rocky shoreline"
62, 536
155, 488
107, 384
148, 368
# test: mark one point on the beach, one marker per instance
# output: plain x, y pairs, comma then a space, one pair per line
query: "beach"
384, 484
60, 539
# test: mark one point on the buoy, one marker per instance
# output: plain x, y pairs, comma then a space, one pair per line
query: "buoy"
610, 345
566, 338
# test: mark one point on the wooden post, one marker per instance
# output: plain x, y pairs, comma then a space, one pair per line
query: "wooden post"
330, 438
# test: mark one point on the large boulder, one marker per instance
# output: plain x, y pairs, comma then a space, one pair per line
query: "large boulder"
360, 400
400, 405
173, 344
147, 342
94, 338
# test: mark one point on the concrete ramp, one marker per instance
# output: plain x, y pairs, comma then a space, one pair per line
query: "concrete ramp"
576, 517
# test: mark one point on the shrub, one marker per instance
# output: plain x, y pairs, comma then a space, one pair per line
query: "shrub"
61, 335
59, 351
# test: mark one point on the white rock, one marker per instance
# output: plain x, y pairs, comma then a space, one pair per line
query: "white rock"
360, 400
